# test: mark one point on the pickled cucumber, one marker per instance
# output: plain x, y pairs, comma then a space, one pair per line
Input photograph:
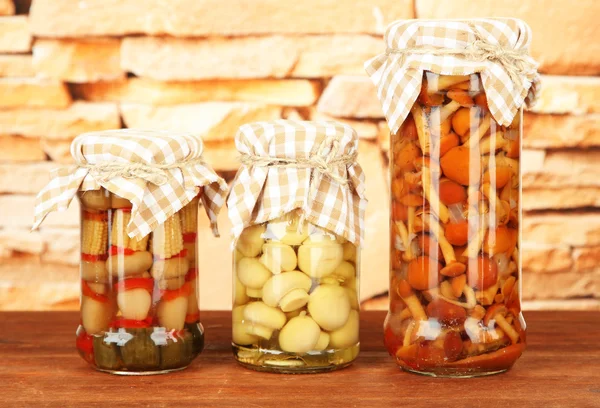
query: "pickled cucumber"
176, 354
140, 353
106, 356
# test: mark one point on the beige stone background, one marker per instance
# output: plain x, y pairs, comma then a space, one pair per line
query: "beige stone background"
206, 66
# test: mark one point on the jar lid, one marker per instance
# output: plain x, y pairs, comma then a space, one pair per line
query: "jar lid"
497, 49
159, 172
310, 166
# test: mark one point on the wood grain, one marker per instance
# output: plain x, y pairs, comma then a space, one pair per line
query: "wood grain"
39, 366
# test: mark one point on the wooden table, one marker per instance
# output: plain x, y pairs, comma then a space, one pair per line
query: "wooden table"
39, 366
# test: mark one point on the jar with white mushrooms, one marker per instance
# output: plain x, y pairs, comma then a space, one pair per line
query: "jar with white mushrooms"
139, 193
297, 214
455, 222
139, 297
295, 297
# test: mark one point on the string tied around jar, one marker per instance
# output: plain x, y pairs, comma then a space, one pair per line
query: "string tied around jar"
516, 62
327, 164
153, 173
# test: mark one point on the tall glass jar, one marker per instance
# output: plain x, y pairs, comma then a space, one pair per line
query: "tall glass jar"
455, 274
139, 193
297, 208
295, 297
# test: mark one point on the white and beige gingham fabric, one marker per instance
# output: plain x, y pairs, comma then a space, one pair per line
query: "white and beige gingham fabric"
327, 184
398, 73
172, 161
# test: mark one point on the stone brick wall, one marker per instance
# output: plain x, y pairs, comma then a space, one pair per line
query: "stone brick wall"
207, 66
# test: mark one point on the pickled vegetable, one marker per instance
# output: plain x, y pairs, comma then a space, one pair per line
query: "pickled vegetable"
295, 297
138, 295
454, 301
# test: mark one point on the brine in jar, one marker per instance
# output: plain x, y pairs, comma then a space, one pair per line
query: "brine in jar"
455, 272
295, 297
139, 297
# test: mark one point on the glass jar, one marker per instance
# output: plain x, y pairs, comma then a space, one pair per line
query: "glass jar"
455, 272
139, 297
295, 297
297, 208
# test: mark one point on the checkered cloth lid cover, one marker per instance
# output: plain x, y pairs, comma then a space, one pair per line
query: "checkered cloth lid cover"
158, 171
288, 165
484, 46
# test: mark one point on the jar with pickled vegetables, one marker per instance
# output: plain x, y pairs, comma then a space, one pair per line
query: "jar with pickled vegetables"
139, 276
455, 273
296, 259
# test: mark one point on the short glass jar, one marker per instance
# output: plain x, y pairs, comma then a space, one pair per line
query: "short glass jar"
297, 207
139, 297
295, 297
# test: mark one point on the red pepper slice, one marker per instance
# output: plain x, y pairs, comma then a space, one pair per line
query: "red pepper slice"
87, 291
93, 258
135, 283
85, 342
192, 318
191, 275
174, 294
114, 250
102, 216
122, 323
189, 237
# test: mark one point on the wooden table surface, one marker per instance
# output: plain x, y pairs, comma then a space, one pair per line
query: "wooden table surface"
39, 366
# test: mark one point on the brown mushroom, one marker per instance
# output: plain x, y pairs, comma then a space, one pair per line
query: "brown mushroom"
497, 313
461, 97
458, 283
442, 82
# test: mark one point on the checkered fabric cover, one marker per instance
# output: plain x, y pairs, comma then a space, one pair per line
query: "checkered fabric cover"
398, 75
152, 204
264, 192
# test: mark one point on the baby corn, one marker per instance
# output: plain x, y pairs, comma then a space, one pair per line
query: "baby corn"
167, 240
94, 233
189, 217
119, 237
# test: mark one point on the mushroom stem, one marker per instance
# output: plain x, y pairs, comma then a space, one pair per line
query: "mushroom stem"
405, 314
408, 334
471, 302
484, 125
432, 196
446, 290
411, 300
403, 234
476, 242
507, 327
423, 130
447, 110
447, 249
486, 297
492, 143
495, 202
515, 255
